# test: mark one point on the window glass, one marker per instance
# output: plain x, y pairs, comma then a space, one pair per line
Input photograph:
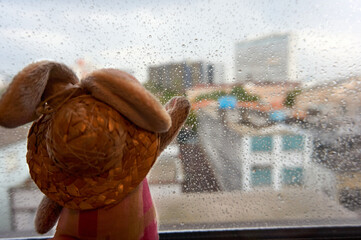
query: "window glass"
261, 143
273, 135
292, 142
292, 176
261, 176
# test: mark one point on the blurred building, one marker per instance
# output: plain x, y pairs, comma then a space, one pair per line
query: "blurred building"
184, 75
271, 93
24, 201
267, 59
13, 170
332, 113
338, 99
266, 177
260, 156
167, 175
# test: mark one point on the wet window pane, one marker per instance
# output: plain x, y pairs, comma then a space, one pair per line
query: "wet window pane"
273, 135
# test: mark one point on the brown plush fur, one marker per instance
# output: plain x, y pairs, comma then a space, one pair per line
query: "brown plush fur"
18, 104
47, 215
125, 94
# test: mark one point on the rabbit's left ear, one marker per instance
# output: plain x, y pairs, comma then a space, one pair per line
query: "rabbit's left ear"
33, 84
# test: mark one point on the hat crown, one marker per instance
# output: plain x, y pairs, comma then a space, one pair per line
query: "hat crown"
86, 136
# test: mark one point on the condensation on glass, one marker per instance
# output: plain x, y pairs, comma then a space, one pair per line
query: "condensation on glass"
273, 136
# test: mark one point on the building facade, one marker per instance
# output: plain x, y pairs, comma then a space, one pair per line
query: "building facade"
184, 75
14, 171
273, 158
266, 59
280, 157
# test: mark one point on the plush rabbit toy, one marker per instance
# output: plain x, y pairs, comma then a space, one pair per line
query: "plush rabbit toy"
90, 148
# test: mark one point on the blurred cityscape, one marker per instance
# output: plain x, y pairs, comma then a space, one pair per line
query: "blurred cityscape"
262, 151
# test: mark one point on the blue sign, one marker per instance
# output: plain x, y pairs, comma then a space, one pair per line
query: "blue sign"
278, 116
227, 102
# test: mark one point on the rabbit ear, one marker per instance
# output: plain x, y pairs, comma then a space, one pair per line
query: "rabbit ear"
29, 87
178, 108
125, 94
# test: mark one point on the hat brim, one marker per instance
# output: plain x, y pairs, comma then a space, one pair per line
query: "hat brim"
84, 193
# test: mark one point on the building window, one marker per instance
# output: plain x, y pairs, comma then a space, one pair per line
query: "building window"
261, 176
292, 176
261, 144
292, 142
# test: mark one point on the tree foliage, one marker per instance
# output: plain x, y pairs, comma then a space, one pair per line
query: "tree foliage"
164, 95
237, 91
192, 121
242, 95
291, 98
210, 96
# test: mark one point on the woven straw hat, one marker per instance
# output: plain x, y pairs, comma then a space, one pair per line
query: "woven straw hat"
94, 142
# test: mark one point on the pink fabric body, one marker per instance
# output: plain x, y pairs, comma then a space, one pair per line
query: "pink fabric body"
132, 219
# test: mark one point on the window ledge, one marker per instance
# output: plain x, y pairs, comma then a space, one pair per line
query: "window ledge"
337, 232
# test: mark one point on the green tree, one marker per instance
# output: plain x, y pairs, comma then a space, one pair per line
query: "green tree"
237, 91
192, 121
242, 95
211, 96
291, 98
164, 95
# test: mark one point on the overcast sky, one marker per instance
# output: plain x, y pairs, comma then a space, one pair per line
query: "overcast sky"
135, 34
